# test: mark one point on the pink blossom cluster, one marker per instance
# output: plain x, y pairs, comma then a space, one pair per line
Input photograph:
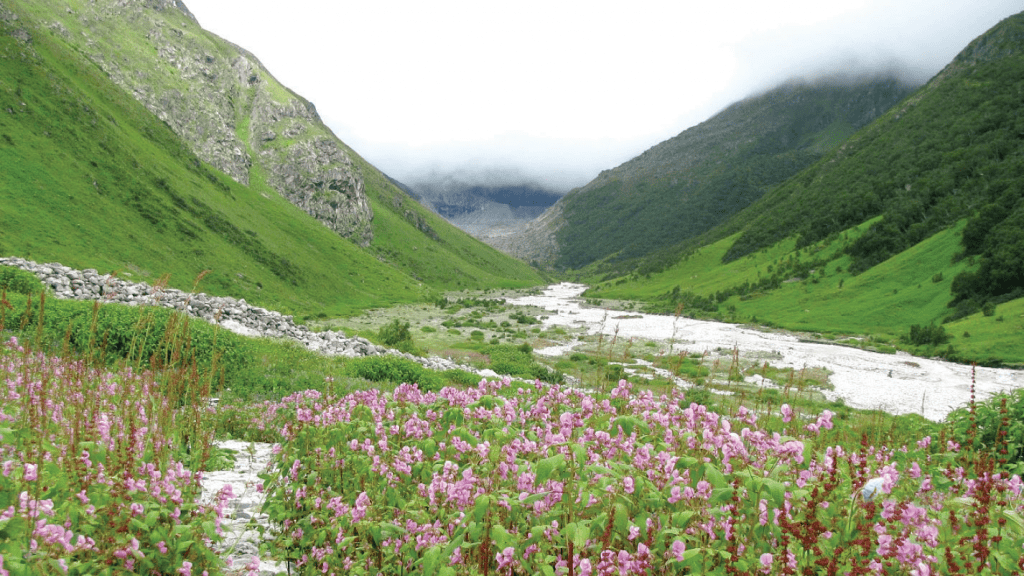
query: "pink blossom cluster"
87, 465
512, 478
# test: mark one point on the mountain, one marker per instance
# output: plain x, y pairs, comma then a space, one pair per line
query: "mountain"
917, 219
688, 184
488, 205
134, 140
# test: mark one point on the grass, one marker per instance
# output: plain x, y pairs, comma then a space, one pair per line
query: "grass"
201, 360
92, 179
883, 302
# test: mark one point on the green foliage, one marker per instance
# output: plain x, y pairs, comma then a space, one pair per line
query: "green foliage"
157, 337
396, 334
19, 281
687, 185
930, 335
463, 378
995, 426
952, 147
69, 408
394, 369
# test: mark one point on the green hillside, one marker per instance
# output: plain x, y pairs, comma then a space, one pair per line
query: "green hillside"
918, 219
954, 150
92, 179
689, 184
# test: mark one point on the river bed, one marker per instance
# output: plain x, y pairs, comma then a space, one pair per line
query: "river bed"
897, 383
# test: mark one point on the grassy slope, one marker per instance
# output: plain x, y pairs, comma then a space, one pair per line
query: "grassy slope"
891, 203
149, 212
688, 184
883, 301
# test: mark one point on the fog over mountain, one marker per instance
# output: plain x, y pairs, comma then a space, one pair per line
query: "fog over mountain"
564, 90
484, 202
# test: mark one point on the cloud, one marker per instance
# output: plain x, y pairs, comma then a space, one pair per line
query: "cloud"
567, 88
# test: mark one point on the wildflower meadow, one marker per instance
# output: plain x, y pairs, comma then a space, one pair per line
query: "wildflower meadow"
102, 460
511, 478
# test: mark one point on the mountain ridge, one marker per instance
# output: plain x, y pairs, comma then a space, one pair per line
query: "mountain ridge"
687, 184
917, 220
92, 178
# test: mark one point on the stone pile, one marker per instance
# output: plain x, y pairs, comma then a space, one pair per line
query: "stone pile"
235, 315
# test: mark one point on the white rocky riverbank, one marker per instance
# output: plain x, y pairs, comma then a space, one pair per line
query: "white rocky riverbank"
896, 383
232, 314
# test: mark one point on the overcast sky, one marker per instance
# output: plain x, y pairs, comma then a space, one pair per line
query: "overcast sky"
558, 90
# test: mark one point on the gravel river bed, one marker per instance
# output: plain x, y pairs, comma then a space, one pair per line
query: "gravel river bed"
897, 383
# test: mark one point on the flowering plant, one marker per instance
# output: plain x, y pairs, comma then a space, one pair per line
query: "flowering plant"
541, 479
89, 480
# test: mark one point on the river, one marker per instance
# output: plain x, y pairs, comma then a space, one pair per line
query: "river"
897, 383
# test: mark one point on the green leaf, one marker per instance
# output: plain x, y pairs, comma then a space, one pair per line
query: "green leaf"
210, 529
502, 539
430, 559
720, 496
467, 436
480, 507
429, 448
621, 521
546, 467
777, 491
579, 539
152, 517
715, 477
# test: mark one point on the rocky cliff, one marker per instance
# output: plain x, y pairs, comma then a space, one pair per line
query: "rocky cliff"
222, 101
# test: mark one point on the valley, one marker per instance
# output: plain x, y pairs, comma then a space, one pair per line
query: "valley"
894, 381
785, 340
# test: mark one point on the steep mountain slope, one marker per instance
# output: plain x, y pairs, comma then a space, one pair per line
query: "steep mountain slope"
953, 150
918, 219
486, 205
90, 177
688, 184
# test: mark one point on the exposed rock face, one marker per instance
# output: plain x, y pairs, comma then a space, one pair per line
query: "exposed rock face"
535, 242
222, 101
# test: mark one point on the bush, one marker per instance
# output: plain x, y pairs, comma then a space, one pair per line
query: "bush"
930, 335
996, 425
988, 309
397, 335
461, 377
390, 368
19, 281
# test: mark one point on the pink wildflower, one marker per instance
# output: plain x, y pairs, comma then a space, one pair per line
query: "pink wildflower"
677, 550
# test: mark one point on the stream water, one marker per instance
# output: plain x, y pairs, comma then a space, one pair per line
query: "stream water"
897, 383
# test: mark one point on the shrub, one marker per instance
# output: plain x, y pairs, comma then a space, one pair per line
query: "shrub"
397, 335
19, 281
390, 368
930, 335
461, 377
988, 309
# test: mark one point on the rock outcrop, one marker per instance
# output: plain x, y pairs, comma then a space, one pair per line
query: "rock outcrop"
224, 104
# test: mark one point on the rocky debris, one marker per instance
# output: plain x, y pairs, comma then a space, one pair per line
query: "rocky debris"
235, 315
242, 518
